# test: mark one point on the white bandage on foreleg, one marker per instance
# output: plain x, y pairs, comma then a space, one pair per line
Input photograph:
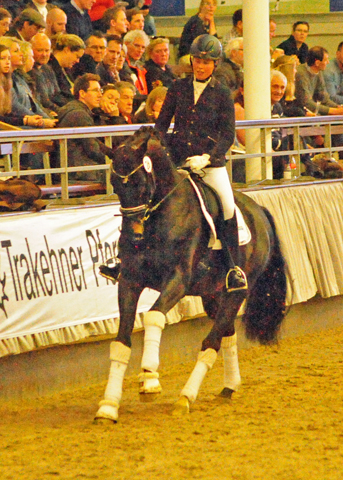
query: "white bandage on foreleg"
232, 377
205, 362
153, 325
119, 355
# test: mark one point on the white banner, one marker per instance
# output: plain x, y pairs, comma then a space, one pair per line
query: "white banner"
49, 265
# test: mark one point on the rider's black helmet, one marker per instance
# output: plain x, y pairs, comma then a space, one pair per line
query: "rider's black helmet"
206, 46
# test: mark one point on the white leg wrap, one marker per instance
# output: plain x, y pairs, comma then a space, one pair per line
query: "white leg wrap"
153, 325
120, 355
232, 377
205, 362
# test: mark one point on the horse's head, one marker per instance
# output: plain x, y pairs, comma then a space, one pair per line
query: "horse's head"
133, 181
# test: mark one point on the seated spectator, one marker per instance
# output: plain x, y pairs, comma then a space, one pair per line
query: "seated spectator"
78, 113
78, 19
115, 22
135, 18
67, 51
151, 110
295, 44
202, 22
108, 113
42, 6
230, 69
23, 99
56, 21
237, 28
122, 67
127, 93
274, 52
95, 51
47, 90
333, 76
27, 25
310, 90
6, 114
97, 11
157, 68
5, 21
107, 68
136, 42
149, 21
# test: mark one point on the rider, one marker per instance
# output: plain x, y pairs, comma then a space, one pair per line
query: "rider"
203, 132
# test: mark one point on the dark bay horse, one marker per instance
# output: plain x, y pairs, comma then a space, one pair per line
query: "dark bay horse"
164, 246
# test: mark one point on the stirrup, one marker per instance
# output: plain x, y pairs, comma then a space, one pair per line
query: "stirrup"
236, 280
111, 273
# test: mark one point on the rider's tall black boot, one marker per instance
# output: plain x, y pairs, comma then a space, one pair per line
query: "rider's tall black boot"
235, 278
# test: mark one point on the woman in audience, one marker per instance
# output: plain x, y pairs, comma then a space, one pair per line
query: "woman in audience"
23, 99
5, 21
202, 22
150, 112
6, 114
156, 65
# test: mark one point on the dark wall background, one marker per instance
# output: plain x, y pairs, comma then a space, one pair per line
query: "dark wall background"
167, 8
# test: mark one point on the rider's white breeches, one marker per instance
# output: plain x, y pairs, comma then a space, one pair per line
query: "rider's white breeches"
218, 178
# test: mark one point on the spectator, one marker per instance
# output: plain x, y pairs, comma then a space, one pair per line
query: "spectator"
47, 89
42, 6
115, 22
67, 51
122, 67
27, 25
135, 18
202, 22
78, 113
295, 44
333, 76
237, 29
6, 114
136, 42
310, 90
127, 92
149, 21
274, 52
107, 68
108, 113
97, 11
56, 22
5, 21
95, 51
151, 110
157, 68
230, 70
78, 19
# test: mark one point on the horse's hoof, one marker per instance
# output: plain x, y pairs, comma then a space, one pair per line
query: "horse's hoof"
149, 386
225, 395
107, 413
181, 407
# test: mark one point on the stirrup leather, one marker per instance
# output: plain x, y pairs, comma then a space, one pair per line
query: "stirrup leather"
239, 279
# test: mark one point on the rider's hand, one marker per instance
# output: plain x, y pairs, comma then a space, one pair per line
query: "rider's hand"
198, 161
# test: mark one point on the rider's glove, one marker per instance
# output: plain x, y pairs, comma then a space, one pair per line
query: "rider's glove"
198, 161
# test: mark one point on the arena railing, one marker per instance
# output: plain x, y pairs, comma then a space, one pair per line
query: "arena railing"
12, 142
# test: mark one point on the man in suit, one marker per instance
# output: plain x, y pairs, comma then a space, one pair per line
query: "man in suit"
78, 20
204, 130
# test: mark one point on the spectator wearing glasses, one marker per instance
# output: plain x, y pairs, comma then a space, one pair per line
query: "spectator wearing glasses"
295, 44
136, 42
95, 51
78, 113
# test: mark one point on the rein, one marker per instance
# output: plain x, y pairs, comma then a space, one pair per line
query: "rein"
155, 207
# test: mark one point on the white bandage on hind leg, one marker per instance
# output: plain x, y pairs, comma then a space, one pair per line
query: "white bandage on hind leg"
205, 362
232, 377
119, 355
153, 325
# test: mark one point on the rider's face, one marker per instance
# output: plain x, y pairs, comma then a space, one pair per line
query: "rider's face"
202, 68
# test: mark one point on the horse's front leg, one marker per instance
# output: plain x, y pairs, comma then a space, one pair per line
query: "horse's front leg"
119, 354
172, 291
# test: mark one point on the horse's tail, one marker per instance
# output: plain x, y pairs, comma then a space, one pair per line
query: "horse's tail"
265, 308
